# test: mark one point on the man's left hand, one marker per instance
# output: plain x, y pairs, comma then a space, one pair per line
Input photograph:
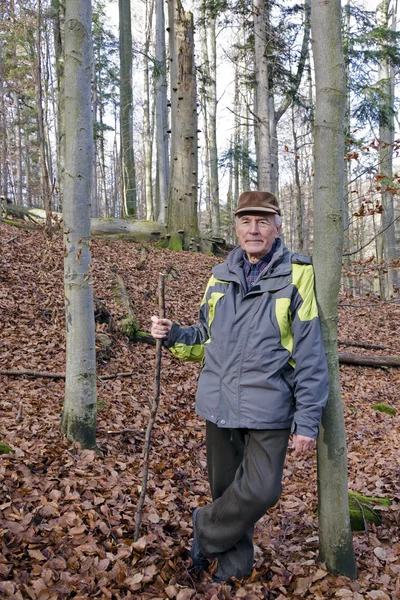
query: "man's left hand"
302, 444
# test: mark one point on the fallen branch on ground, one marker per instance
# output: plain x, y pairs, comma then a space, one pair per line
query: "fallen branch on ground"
367, 345
369, 361
28, 373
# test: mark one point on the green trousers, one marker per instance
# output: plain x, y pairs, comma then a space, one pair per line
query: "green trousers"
245, 469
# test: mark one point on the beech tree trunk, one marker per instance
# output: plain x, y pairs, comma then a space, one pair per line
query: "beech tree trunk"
80, 408
261, 108
209, 51
46, 191
336, 548
58, 33
126, 110
147, 137
161, 114
386, 139
182, 195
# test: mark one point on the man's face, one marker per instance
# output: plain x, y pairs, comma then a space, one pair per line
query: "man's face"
256, 233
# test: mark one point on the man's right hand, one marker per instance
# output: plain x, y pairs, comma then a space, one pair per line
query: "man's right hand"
160, 328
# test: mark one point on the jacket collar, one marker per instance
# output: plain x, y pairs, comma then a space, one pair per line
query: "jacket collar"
232, 268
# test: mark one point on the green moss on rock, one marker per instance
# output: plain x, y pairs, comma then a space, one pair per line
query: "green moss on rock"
389, 410
129, 327
5, 449
363, 509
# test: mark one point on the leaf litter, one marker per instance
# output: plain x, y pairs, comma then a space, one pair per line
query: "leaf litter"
67, 515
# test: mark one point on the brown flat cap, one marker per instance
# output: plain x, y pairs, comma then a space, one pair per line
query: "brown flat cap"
258, 202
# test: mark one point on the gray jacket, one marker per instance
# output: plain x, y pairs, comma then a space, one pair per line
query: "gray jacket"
264, 364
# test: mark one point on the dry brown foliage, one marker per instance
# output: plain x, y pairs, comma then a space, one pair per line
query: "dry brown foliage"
67, 516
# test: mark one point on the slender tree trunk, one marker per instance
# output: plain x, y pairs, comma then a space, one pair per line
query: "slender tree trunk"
386, 139
58, 33
80, 409
161, 113
182, 196
3, 146
212, 130
298, 194
204, 103
236, 144
147, 137
18, 143
46, 190
336, 548
246, 146
126, 111
261, 109
95, 192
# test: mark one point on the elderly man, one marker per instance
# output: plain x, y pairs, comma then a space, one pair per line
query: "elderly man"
264, 377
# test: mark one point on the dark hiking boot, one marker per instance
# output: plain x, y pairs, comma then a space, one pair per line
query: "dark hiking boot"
199, 561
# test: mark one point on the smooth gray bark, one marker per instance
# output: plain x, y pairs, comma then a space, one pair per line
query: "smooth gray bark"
209, 52
80, 407
147, 137
46, 191
386, 137
126, 110
261, 108
336, 548
162, 141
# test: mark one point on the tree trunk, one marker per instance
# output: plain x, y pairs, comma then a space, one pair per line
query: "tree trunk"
212, 128
126, 110
58, 33
261, 109
46, 191
80, 408
386, 139
298, 195
336, 548
161, 113
147, 137
182, 196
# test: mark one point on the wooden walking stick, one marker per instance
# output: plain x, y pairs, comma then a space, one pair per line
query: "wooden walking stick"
154, 407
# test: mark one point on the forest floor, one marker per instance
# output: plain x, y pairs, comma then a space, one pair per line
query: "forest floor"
67, 515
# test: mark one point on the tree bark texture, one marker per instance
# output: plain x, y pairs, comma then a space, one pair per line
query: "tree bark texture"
59, 35
336, 548
386, 139
126, 110
261, 109
46, 191
147, 137
182, 196
80, 409
162, 141
209, 52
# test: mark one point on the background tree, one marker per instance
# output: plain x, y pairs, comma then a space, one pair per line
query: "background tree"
386, 19
336, 548
161, 86
182, 224
208, 25
128, 175
80, 409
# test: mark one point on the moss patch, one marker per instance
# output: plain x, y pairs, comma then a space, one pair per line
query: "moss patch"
129, 327
389, 410
363, 509
21, 224
5, 449
175, 242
